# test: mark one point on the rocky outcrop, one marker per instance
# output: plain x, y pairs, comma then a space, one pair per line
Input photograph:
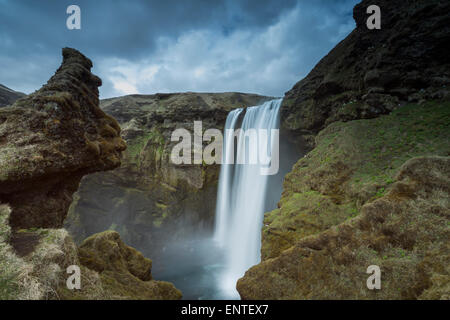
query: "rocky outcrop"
34, 261
372, 72
50, 139
405, 233
124, 272
8, 96
149, 199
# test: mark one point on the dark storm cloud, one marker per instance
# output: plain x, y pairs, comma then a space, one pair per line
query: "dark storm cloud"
262, 46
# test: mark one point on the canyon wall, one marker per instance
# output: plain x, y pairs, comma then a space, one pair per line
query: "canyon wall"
149, 200
373, 190
372, 72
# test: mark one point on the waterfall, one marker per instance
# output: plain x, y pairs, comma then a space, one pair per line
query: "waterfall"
242, 192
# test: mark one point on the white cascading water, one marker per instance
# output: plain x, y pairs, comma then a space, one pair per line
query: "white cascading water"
242, 194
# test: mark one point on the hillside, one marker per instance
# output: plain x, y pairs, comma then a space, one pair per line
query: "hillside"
8, 96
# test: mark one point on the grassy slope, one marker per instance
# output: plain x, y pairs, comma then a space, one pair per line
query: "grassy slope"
353, 163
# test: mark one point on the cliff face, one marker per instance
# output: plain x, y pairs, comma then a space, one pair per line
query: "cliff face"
371, 191
50, 139
8, 96
371, 72
148, 199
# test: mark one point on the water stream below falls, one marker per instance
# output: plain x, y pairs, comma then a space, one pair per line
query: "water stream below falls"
208, 268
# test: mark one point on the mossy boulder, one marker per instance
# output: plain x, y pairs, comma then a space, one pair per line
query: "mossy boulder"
124, 272
106, 251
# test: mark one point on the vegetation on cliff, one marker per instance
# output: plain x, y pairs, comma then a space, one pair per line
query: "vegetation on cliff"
353, 163
405, 233
357, 200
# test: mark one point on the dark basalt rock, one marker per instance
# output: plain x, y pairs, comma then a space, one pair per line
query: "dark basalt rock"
50, 139
372, 72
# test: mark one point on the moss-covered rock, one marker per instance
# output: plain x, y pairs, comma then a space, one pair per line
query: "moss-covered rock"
106, 251
405, 233
52, 138
353, 163
124, 272
109, 268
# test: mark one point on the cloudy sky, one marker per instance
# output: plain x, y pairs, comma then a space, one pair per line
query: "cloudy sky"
260, 46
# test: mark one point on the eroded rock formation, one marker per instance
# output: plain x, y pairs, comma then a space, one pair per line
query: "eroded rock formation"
50, 139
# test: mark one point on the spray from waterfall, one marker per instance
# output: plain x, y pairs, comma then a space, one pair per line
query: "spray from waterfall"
242, 192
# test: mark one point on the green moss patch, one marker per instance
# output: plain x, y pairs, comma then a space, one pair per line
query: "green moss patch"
353, 163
